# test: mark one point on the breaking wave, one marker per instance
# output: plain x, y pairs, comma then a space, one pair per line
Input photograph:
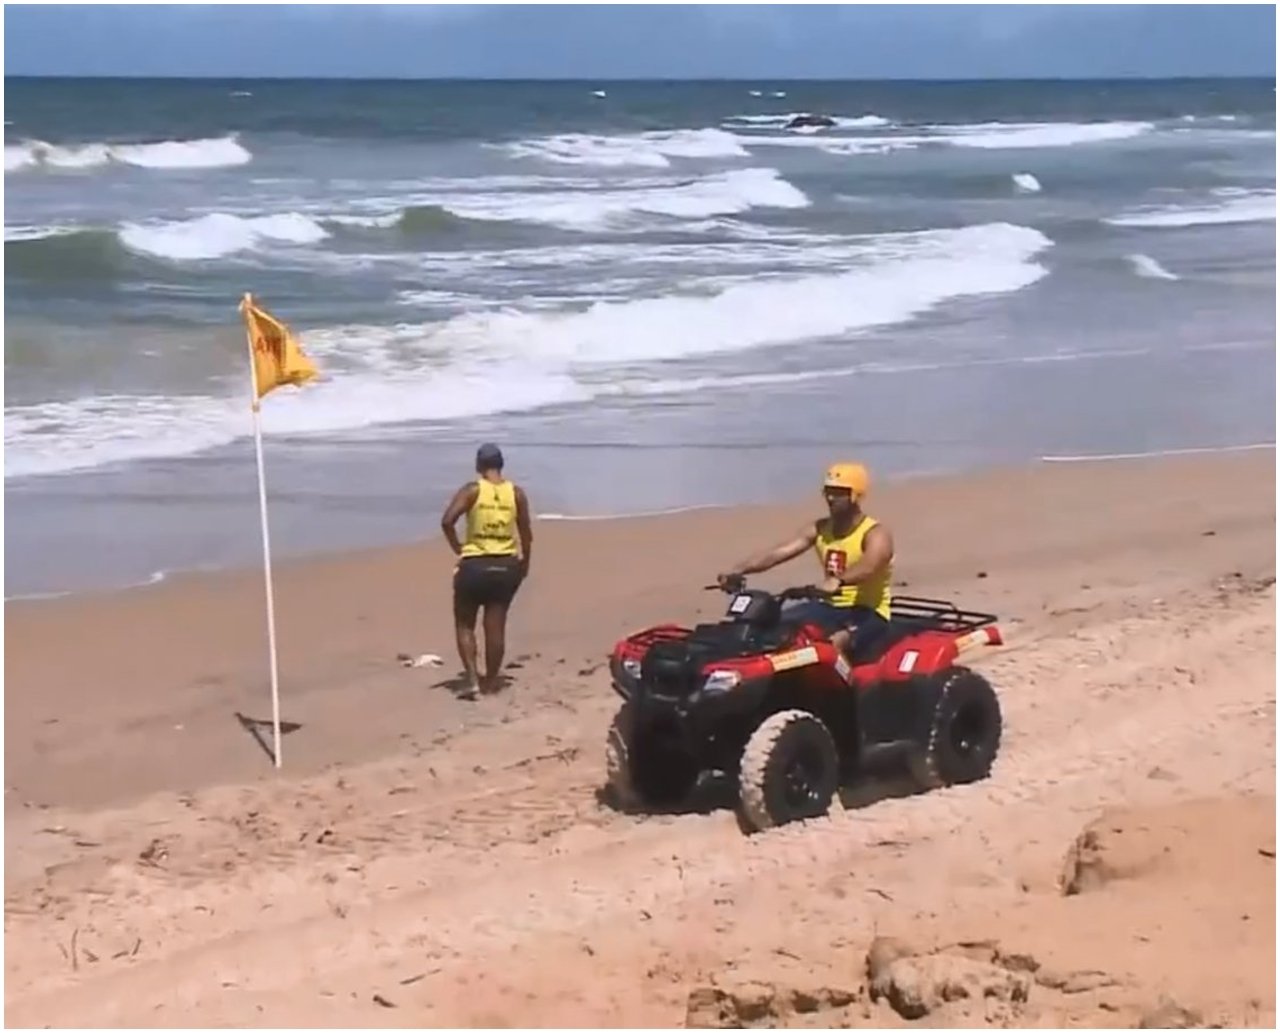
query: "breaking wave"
1235, 206
524, 360
220, 152
218, 235
982, 135
725, 193
646, 150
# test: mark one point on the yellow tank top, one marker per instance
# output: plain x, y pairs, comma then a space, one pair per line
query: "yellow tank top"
838, 554
491, 522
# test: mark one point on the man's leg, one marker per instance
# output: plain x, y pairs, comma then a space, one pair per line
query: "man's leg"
506, 582
465, 610
495, 644
857, 640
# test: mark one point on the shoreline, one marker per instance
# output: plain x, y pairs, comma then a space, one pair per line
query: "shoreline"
166, 576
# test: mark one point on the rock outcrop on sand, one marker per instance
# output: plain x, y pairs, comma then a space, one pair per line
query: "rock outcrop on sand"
1128, 852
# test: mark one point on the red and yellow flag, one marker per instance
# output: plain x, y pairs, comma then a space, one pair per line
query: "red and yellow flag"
278, 357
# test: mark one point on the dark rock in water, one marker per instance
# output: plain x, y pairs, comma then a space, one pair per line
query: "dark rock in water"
804, 121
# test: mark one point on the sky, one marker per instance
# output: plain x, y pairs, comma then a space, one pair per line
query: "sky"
641, 41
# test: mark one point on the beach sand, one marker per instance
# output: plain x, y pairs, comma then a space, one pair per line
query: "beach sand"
426, 861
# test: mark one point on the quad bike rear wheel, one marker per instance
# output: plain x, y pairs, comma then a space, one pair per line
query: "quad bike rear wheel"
790, 771
960, 729
645, 768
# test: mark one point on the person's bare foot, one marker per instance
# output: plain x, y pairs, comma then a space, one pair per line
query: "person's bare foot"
470, 690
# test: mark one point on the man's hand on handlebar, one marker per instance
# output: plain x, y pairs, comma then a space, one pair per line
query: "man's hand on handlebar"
731, 582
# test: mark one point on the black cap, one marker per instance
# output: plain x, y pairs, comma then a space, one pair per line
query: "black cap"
488, 457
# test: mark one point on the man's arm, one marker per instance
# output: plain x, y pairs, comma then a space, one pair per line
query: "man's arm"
525, 527
877, 551
464, 498
781, 553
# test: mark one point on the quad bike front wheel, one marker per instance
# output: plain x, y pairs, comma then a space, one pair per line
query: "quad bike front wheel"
960, 729
644, 767
790, 771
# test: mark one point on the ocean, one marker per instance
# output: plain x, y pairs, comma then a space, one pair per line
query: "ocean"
652, 295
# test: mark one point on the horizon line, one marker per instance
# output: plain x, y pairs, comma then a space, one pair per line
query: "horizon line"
126, 77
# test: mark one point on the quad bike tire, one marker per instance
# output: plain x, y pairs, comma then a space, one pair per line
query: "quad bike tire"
641, 771
790, 771
960, 733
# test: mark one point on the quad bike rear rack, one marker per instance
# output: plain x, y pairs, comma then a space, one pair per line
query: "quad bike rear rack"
938, 614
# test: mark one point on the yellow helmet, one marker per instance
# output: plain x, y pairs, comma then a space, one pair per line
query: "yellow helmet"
851, 476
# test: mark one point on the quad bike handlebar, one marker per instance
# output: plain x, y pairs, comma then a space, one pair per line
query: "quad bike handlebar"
738, 583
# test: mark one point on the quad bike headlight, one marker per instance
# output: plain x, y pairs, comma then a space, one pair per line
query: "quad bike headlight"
721, 681
631, 668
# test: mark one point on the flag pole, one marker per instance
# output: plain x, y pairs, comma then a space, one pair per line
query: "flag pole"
266, 540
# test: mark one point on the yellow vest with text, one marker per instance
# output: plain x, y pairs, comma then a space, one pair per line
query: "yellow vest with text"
491, 522
838, 554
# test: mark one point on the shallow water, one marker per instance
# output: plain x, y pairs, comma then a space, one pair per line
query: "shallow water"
655, 299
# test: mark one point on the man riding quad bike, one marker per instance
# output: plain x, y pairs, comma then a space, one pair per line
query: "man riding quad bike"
790, 699
856, 554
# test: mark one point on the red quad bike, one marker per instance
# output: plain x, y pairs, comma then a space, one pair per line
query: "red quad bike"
765, 697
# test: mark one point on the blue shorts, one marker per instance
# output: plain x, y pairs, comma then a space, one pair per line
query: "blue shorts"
865, 625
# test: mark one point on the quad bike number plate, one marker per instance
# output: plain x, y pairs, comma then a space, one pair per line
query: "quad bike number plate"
740, 604
796, 658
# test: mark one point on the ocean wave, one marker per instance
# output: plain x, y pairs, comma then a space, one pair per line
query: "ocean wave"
724, 193
1149, 268
66, 255
145, 427
57, 437
982, 135
900, 276
582, 208
484, 363
219, 152
18, 234
1235, 206
217, 235
412, 220
1026, 182
1002, 135
646, 150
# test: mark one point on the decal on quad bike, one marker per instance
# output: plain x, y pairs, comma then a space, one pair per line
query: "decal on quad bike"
740, 604
908, 663
843, 668
796, 658
837, 560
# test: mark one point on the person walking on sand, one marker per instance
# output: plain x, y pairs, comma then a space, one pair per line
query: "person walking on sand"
493, 563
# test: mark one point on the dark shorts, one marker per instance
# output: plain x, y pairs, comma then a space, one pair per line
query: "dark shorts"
864, 624
487, 580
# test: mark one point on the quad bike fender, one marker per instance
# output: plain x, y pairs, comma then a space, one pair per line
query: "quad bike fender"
923, 654
635, 645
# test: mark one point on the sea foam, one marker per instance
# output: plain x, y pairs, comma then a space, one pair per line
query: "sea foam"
523, 360
217, 235
211, 153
